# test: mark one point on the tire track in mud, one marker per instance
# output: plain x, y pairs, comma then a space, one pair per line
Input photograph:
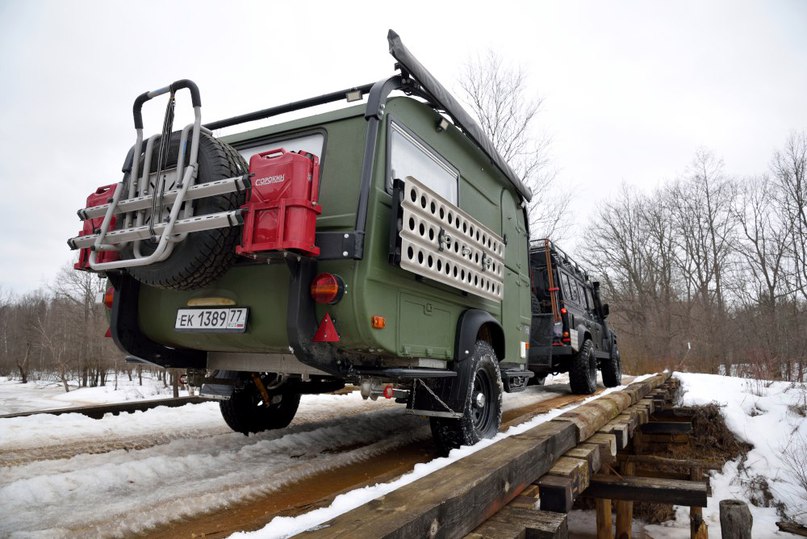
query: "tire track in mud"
320, 490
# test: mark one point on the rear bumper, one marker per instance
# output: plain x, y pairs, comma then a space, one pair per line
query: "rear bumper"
548, 358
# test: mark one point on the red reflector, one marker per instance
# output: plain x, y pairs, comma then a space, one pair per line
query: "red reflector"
109, 297
108, 333
326, 331
327, 288
563, 311
389, 391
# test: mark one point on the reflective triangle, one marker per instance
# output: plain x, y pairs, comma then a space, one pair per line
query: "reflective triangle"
327, 331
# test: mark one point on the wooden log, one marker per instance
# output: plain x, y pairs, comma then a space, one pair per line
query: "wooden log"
453, 501
673, 414
667, 427
518, 523
620, 399
792, 527
631, 417
607, 445
591, 416
735, 519
575, 469
604, 522
697, 527
649, 404
620, 430
588, 452
666, 461
645, 489
624, 508
556, 493
673, 439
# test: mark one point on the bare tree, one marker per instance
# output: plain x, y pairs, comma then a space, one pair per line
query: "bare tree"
790, 172
703, 201
93, 354
499, 97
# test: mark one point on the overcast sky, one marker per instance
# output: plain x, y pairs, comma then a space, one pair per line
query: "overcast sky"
631, 89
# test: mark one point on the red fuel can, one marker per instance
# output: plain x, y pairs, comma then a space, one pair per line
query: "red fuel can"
102, 195
282, 207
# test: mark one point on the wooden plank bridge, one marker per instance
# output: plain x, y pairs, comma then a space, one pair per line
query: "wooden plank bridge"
524, 485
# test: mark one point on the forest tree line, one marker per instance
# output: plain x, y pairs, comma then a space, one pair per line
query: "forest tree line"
709, 272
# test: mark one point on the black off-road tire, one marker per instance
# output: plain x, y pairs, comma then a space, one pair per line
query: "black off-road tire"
583, 372
203, 256
612, 369
482, 410
244, 411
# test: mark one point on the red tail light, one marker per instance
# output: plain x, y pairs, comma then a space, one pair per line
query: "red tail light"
109, 297
327, 288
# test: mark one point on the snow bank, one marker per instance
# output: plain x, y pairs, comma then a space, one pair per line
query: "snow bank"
767, 415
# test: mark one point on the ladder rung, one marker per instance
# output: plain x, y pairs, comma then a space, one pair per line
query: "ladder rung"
202, 190
182, 226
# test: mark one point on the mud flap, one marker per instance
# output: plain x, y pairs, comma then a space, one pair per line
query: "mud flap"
437, 397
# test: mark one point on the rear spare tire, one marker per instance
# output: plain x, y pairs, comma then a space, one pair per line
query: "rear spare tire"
204, 256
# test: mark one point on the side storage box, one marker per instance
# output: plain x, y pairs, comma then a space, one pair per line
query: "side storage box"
282, 207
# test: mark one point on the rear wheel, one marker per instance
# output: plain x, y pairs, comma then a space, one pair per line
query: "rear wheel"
583, 374
245, 411
482, 410
612, 369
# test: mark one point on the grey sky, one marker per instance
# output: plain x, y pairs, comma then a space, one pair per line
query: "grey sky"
632, 88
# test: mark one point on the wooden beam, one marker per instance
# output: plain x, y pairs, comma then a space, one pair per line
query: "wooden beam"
666, 461
455, 500
624, 508
643, 489
458, 498
519, 523
588, 452
667, 427
607, 445
675, 413
618, 429
556, 493
697, 527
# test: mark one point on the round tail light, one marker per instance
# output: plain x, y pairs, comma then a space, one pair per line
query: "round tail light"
327, 288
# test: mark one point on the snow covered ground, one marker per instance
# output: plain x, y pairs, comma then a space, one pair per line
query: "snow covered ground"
147, 468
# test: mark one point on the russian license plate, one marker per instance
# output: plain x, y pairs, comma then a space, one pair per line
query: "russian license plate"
228, 320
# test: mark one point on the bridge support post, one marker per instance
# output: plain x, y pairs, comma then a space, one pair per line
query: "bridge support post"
624, 509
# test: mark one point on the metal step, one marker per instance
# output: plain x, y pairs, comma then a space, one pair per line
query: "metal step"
204, 190
182, 226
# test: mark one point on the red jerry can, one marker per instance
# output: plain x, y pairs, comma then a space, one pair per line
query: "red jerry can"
281, 209
102, 195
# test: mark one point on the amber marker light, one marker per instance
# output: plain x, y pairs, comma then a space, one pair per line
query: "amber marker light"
379, 322
109, 297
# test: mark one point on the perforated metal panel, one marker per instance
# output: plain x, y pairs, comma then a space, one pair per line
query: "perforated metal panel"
445, 244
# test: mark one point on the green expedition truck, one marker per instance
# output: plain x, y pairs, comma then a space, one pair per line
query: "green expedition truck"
382, 244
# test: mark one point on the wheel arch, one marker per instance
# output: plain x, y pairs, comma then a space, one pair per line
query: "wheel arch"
474, 325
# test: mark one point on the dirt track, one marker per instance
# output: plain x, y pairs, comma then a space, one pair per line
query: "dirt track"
321, 489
